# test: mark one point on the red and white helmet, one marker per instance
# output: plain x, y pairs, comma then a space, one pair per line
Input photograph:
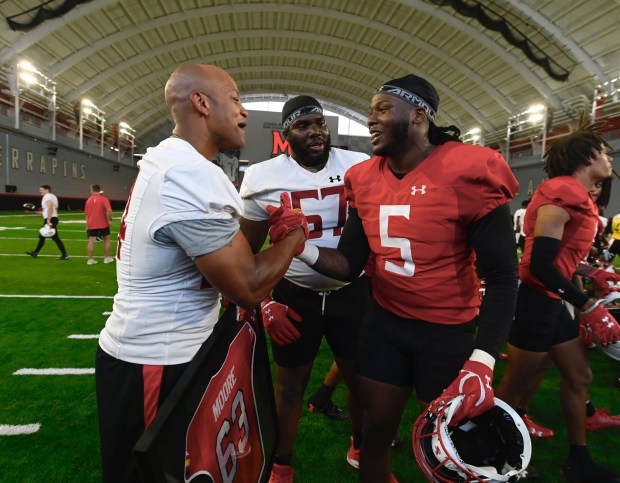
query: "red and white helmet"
492, 447
609, 302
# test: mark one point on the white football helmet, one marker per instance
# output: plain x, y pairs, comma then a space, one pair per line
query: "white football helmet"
47, 231
492, 447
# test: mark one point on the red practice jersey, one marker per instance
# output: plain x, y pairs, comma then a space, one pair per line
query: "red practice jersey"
417, 228
570, 195
96, 211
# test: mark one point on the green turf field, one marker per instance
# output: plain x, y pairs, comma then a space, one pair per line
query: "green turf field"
45, 301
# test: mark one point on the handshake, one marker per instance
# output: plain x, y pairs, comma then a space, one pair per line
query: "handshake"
284, 218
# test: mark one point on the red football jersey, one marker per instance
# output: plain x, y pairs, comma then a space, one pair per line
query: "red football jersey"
417, 228
224, 438
569, 194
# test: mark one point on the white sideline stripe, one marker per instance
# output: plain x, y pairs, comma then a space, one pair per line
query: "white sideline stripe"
54, 372
106, 313
83, 336
4, 296
14, 430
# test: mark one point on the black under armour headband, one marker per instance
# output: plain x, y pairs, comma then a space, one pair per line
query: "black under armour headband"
416, 91
297, 107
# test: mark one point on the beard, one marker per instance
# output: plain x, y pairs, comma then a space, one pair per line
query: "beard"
400, 132
308, 158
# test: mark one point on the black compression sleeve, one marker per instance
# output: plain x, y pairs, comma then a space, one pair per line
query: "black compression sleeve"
544, 251
493, 240
353, 244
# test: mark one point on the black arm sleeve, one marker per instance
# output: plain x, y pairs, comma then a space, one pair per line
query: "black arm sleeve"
353, 244
544, 251
493, 240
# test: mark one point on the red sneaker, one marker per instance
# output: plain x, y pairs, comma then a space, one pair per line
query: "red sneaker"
281, 474
601, 419
353, 456
537, 430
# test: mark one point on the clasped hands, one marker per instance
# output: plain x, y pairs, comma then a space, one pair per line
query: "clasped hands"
284, 218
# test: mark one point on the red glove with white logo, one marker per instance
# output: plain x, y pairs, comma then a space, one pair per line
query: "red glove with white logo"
585, 333
474, 384
605, 281
284, 219
602, 323
277, 321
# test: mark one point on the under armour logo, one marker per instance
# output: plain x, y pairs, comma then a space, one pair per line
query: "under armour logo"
488, 380
421, 190
607, 322
333, 179
268, 313
560, 290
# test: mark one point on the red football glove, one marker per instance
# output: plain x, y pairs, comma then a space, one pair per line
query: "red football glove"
605, 281
474, 384
585, 333
277, 321
284, 219
602, 324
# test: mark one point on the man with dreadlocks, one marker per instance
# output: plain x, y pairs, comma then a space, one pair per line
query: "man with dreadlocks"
560, 225
420, 212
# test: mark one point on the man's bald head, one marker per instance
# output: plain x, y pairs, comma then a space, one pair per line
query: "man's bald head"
206, 108
190, 78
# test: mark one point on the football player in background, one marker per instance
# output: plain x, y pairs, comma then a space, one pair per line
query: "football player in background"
424, 208
560, 225
179, 247
49, 207
98, 212
306, 305
518, 224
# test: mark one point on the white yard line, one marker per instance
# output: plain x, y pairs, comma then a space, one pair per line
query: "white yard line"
17, 429
83, 336
67, 371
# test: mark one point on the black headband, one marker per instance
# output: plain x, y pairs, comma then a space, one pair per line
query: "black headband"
409, 97
302, 111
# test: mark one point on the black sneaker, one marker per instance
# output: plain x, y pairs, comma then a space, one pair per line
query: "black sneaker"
33, 254
63, 257
588, 472
330, 410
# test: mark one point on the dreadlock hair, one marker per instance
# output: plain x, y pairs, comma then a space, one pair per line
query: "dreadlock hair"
569, 152
603, 199
439, 135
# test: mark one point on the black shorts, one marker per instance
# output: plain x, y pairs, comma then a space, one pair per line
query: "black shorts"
615, 247
541, 322
122, 396
337, 316
412, 353
99, 232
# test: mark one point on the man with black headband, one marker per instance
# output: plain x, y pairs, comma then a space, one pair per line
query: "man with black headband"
424, 208
306, 305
